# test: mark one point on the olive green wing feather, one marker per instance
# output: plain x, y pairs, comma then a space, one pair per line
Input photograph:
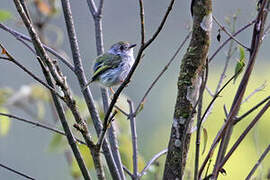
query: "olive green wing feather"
105, 62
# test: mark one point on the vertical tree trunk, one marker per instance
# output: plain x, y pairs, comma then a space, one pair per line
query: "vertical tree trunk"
188, 88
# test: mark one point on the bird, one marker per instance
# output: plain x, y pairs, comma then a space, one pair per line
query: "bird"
112, 67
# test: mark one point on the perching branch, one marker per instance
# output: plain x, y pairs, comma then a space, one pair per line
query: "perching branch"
113, 155
137, 60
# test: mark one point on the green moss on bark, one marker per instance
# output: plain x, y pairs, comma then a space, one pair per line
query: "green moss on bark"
188, 86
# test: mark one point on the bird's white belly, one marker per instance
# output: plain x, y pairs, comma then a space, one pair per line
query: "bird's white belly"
115, 76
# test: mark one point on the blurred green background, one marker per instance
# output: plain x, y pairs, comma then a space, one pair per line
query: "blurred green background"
25, 147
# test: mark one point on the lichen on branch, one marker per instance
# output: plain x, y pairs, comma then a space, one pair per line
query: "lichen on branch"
188, 85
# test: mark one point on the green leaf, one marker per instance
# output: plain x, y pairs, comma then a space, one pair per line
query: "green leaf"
58, 143
140, 108
240, 63
5, 15
85, 152
41, 110
242, 53
205, 138
4, 122
125, 152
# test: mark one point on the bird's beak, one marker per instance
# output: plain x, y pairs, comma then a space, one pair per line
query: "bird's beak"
132, 46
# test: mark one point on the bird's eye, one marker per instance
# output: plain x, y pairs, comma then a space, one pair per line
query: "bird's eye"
122, 48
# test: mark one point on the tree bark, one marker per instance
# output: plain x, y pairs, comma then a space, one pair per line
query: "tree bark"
188, 89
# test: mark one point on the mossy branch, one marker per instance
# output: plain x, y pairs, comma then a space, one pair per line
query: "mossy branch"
188, 88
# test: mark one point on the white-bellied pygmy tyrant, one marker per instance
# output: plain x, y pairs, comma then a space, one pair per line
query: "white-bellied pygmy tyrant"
112, 67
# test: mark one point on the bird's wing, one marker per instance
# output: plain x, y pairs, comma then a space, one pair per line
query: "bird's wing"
105, 62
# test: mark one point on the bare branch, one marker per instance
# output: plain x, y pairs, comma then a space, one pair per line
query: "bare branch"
92, 7
21, 37
17, 172
13, 60
230, 35
112, 156
38, 124
209, 91
61, 81
103, 132
136, 63
221, 131
238, 119
243, 135
254, 92
161, 73
228, 40
127, 171
100, 7
142, 22
161, 24
149, 163
258, 30
266, 151
133, 130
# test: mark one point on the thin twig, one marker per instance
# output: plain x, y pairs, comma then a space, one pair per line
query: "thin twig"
212, 101
229, 34
127, 171
243, 135
238, 119
228, 58
22, 37
136, 63
266, 151
69, 135
149, 163
103, 133
218, 136
100, 7
161, 24
162, 72
254, 92
255, 45
38, 124
133, 130
209, 91
142, 23
92, 7
13, 60
228, 40
112, 154
199, 113
61, 81
222, 76
17, 172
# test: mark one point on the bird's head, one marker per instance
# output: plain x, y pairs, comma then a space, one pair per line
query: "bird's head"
122, 48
